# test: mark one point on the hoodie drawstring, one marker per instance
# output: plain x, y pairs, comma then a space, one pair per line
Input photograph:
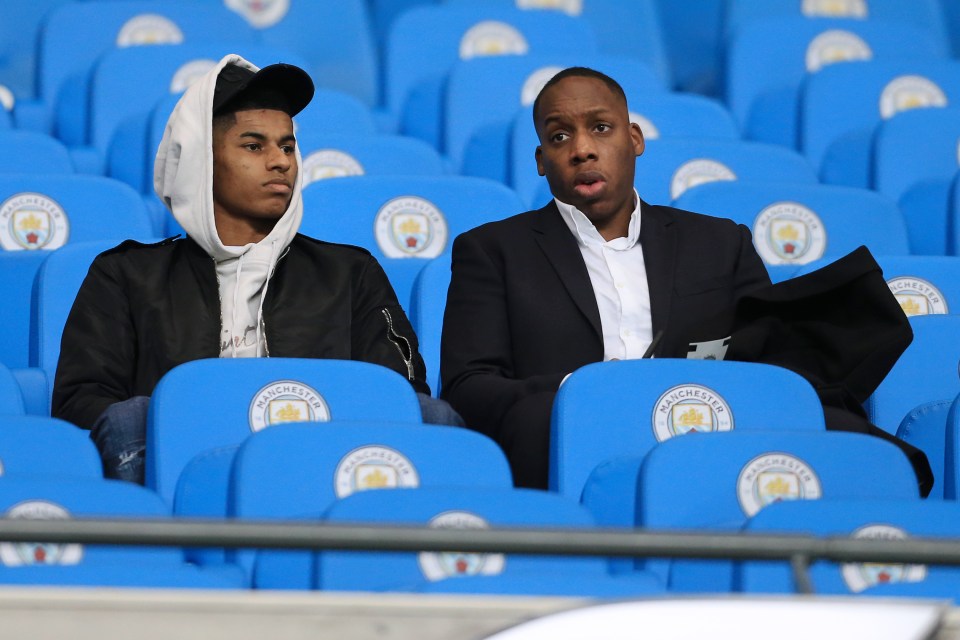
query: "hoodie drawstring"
236, 299
263, 296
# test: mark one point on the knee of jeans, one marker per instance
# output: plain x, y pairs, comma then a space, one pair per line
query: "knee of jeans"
436, 411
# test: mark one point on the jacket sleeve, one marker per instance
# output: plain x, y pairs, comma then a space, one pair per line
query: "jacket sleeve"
97, 350
476, 356
381, 333
750, 274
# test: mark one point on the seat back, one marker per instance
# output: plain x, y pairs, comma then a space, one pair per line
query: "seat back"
926, 371
403, 216
427, 303
449, 508
924, 284
668, 168
925, 428
843, 103
336, 155
33, 152
39, 446
667, 397
660, 116
335, 39
797, 224
282, 473
11, 398
212, 403
873, 519
18, 269
768, 59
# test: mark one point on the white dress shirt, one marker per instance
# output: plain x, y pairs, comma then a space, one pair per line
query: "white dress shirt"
619, 278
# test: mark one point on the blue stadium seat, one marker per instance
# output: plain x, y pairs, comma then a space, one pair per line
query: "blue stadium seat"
285, 472
668, 397
58, 281
46, 211
11, 399
926, 371
795, 224
335, 112
924, 14
241, 396
925, 427
717, 483
692, 30
768, 59
914, 162
75, 34
660, 116
843, 103
119, 118
463, 508
951, 463
18, 269
483, 96
33, 152
336, 155
95, 565
668, 168
384, 12
409, 216
924, 284
873, 519
22, 20
629, 28
427, 302
41, 446
335, 38
426, 41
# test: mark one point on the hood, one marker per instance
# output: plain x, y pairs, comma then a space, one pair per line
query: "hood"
183, 171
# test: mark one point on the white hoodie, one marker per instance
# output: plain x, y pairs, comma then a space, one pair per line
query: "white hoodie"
183, 178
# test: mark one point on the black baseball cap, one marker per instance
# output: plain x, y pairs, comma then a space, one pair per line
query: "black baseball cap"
281, 86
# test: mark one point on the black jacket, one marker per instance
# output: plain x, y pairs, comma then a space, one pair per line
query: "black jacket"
144, 309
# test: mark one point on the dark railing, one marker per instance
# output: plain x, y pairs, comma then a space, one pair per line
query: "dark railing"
799, 550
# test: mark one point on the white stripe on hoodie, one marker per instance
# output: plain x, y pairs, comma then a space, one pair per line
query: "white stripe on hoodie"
183, 178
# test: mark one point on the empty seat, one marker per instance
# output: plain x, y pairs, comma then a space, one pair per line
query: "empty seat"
33, 446
873, 519
33, 152
720, 481
245, 395
18, 269
843, 103
427, 303
926, 371
925, 427
768, 60
332, 155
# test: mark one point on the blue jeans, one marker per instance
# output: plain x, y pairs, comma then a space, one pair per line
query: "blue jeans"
120, 433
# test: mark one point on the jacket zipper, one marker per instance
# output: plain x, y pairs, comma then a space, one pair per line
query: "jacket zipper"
395, 338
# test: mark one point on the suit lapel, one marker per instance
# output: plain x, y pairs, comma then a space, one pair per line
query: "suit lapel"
560, 248
659, 242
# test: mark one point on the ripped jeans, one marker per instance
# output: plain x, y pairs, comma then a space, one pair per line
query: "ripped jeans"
120, 433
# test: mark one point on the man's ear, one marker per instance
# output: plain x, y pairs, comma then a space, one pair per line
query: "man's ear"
538, 154
636, 134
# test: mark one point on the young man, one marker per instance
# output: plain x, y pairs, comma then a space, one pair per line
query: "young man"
592, 276
242, 283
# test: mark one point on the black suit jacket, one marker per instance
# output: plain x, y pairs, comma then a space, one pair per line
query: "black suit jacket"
521, 311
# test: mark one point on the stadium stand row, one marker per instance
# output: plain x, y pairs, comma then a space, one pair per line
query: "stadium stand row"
820, 125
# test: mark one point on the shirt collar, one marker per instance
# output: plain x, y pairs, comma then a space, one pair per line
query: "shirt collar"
585, 233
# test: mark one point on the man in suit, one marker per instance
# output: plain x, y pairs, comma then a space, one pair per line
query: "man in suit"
595, 275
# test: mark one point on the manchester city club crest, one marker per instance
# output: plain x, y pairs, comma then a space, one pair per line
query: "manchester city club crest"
910, 92
697, 172
492, 38
789, 233
286, 401
149, 28
374, 467
410, 227
570, 7
260, 13
189, 73
917, 297
834, 8
690, 408
455, 564
650, 131
836, 45
534, 83
774, 477
859, 576
32, 221
330, 163
15, 554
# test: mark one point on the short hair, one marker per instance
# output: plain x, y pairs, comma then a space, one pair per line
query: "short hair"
226, 117
579, 72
